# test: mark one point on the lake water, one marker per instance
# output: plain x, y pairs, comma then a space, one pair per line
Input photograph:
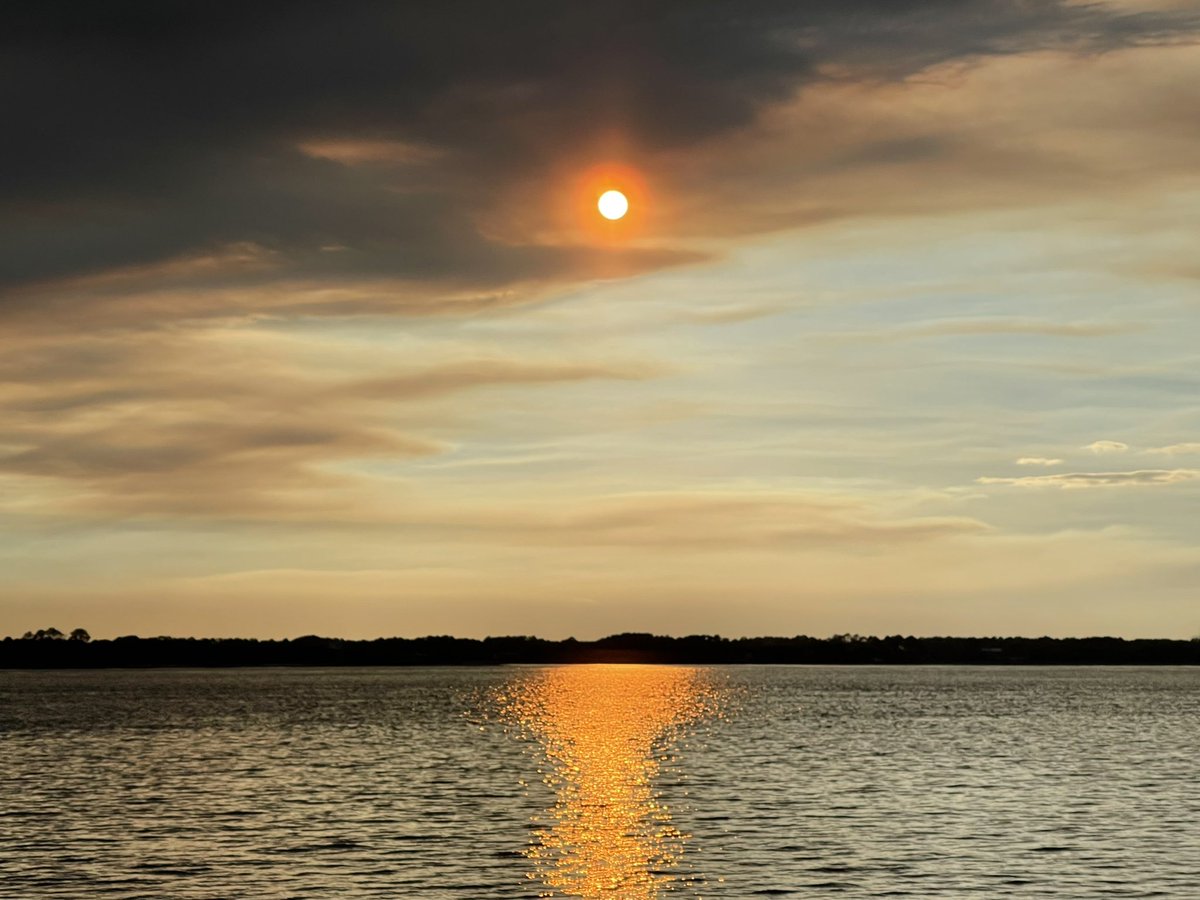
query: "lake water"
632, 782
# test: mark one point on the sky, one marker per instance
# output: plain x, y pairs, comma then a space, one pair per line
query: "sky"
308, 323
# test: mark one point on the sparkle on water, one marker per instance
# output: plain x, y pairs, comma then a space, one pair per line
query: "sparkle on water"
606, 732
613, 205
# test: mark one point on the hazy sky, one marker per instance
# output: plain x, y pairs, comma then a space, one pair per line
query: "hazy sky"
308, 323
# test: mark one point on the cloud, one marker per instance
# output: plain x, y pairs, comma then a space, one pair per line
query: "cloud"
485, 372
1176, 449
1041, 130
368, 152
1098, 479
420, 147
221, 423
968, 327
731, 313
250, 283
1038, 461
1102, 447
736, 519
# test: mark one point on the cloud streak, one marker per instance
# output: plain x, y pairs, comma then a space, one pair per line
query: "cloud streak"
1188, 447
194, 425
983, 327
736, 520
1073, 480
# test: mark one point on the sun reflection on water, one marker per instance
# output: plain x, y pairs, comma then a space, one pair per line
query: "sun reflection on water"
606, 731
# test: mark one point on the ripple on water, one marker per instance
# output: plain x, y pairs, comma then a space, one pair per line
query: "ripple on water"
858, 782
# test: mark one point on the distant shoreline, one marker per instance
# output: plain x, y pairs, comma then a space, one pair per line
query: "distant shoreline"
172, 652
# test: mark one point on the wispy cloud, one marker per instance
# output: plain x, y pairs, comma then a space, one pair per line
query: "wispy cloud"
219, 423
736, 519
983, 327
1103, 447
1176, 449
490, 372
1098, 479
366, 151
1038, 461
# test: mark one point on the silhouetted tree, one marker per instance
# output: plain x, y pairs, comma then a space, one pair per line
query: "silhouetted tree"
80, 634
43, 634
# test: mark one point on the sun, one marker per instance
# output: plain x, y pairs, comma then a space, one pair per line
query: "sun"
612, 205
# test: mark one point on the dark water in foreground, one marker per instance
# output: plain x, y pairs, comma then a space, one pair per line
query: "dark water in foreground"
597, 781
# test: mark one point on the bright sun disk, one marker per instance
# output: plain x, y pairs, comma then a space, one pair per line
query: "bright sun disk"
612, 205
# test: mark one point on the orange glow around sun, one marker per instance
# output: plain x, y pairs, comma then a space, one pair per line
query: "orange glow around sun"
610, 202
562, 209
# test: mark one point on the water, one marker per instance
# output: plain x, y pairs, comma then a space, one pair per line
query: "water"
621, 782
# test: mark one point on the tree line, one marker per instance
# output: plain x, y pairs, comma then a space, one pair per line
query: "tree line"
53, 634
51, 648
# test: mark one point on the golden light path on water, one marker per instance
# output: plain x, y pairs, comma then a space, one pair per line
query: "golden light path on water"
606, 731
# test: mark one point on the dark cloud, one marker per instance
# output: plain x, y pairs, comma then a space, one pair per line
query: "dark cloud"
138, 132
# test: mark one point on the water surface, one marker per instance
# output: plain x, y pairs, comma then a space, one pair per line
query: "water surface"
601, 781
